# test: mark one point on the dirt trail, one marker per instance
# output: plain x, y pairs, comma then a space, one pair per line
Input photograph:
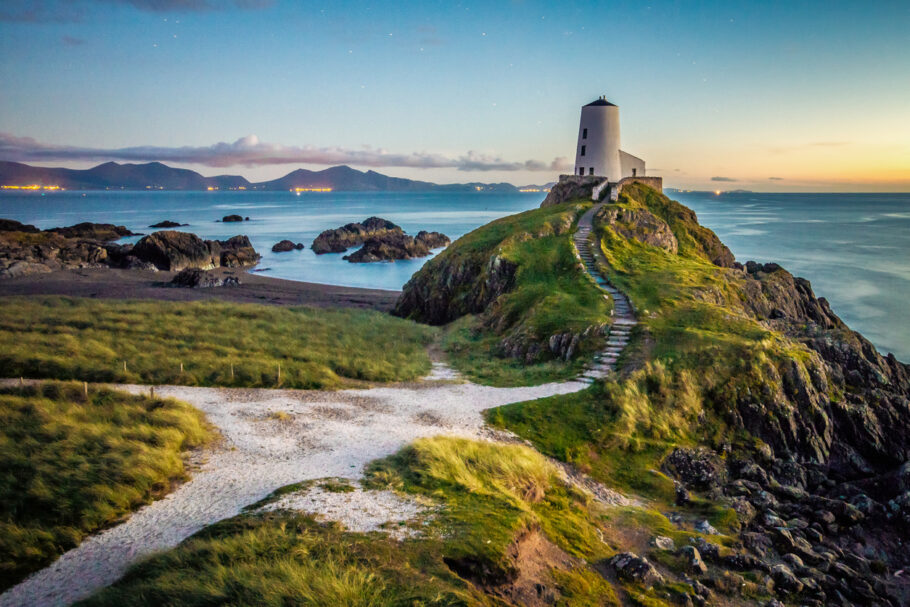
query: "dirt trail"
272, 438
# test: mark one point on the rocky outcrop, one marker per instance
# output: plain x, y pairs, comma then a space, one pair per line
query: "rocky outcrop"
571, 188
285, 246
174, 251
94, 231
24, 253
350, 235
233, 218
640, 225
168, 224
194, 278
388, 248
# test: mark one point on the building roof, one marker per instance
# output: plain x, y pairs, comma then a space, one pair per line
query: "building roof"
601, 101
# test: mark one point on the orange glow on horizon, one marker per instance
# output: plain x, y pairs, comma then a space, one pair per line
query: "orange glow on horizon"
298, 190
33, 186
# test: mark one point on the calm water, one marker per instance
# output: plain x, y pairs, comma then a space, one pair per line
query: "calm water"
275, 216
855, 248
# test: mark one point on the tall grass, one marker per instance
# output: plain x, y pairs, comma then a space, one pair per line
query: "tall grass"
217, 344
71, 464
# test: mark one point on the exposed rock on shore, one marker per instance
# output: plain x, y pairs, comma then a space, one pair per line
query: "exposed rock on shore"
286, 245
11, 225
94, 231
168, 224
195, 278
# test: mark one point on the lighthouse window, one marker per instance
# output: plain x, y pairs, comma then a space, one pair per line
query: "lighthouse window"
584, 133
583, 150
581, 170
591, 171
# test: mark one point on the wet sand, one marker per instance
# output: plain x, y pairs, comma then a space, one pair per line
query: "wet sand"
141, 284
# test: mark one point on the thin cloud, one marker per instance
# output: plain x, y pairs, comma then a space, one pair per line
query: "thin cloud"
723, 179
775, 178
249, 151
74, 11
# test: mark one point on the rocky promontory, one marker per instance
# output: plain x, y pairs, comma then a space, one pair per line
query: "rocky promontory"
174, 251
168, 224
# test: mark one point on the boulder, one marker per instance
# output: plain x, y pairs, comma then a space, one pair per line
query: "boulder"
353, 234
699, 468
705, 527
174, 251
663, 542
231, 218
388, 247
633, 568
785, 581
168, 224
235, 252
286, 245
692, 559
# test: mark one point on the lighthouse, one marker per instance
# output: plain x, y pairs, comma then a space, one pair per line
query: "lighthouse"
598, 150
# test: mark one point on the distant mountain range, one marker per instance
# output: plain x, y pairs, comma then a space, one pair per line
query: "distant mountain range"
157, 176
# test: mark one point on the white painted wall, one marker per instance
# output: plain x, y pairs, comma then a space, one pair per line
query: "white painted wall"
630, 162
601, 146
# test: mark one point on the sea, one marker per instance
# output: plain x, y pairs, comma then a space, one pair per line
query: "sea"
854, 248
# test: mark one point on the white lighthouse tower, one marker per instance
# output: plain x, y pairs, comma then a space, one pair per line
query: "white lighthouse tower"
598, 150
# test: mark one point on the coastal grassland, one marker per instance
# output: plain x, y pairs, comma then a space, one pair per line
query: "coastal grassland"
526, 259
72, 464
92, 340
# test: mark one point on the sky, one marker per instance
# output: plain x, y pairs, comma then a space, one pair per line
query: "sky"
768, 96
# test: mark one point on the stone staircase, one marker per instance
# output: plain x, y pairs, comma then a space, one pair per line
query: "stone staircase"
604, 362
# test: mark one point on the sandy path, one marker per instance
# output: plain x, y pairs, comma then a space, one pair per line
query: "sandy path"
324, 434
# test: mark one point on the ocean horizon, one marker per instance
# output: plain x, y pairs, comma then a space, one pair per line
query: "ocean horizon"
848, 245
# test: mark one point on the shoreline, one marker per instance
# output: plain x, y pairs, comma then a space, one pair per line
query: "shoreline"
108, 283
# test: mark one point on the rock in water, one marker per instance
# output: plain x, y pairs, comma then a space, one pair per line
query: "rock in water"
389, 247
353, 234
286, 245
230, 218
235, 252
433, 240
94, 231
168, 224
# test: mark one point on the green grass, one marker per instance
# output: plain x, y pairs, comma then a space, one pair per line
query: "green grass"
90, 340
551, 295
697, 351
487, 495
281, 559
72, 464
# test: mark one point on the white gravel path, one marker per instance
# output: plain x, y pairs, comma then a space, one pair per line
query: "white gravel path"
323, 434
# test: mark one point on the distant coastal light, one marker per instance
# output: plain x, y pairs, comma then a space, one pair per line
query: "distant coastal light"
34, 186
298, 190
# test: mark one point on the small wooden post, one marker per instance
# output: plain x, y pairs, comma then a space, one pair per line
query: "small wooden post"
152, 392
279, 374
124, 366
232, 370
21, 381
181, 367
85, 388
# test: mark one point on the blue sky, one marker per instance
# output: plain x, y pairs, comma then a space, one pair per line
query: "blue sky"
713, 94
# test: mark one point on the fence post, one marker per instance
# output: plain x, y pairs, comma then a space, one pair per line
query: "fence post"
181, 368
85, 388
279, 374
232, 370
124, 366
